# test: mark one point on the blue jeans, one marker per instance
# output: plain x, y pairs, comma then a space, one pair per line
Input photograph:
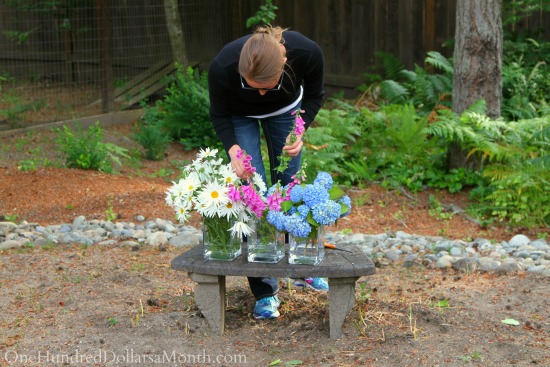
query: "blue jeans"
276, 130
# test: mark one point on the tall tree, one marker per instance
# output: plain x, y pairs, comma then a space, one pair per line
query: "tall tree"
478, 62
175, 32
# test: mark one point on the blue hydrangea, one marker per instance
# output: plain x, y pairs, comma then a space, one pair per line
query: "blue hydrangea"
296, 194
303, 211
314, 194
324, 179
297, 226
303, 229
347, 202
326, 213
277, 219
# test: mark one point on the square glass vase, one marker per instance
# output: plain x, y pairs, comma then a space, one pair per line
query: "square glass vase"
266, 244
309, 250
217, 240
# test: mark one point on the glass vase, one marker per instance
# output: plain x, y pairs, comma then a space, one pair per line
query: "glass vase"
266, 244
217, 240
309, 250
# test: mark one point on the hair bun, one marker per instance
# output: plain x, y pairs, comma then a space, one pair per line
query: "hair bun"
263, 29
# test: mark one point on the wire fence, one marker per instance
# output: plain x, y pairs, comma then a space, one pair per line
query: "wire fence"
57, 61
52, 54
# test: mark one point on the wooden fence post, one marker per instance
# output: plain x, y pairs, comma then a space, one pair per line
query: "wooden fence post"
105, 55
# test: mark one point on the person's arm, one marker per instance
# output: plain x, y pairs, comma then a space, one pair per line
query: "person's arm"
314, 91
314, 94
220, 116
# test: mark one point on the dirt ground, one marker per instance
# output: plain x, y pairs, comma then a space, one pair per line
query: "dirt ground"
117, 305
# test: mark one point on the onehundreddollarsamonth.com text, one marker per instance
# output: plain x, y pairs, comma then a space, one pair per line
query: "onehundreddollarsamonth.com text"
127, 356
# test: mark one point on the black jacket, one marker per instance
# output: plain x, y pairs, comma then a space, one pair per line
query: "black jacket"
304, 67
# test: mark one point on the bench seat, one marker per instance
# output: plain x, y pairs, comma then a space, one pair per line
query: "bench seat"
342, 269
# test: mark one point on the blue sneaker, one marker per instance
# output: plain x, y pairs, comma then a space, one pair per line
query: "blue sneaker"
266, 308
317, 284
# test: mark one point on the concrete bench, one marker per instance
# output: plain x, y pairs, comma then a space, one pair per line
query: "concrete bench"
341, 268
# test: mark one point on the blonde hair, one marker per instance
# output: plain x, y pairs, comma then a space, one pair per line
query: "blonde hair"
261, 59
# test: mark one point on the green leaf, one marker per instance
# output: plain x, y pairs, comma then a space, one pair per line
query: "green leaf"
508, 321
286, 205
336, 193
442, 304
294, 362
343, 208
275, 362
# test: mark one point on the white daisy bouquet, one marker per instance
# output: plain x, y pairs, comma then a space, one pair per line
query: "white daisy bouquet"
225, 202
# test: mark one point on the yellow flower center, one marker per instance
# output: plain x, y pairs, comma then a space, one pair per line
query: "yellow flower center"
215, 194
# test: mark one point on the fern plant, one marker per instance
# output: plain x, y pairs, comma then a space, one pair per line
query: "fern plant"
328, 142
516, 158
525, 82
424, 90
185, 110
392, 146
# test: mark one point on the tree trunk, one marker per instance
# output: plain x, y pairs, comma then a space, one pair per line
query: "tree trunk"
175, 32
478, 64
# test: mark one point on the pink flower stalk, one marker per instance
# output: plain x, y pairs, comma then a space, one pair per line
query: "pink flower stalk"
295, 181
274, 201
234, 195
253, 200
241, 154
299, 129
299, 179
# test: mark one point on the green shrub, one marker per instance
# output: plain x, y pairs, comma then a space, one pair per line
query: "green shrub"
152, 135
185, 110
86, 150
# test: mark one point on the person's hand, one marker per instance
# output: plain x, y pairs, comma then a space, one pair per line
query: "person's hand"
237, 164
293, 149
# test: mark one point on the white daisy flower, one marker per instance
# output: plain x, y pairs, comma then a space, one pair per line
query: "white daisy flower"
189, 184
204, 153
228, 176
169, 198
213, 195
240, 229
259, 182
183, 214
231, 209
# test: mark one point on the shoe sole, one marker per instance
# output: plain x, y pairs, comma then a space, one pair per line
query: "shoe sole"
300, 285
309, 286
273, 316
296, 283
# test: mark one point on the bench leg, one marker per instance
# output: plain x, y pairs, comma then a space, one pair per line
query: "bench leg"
341, 301
210, 298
